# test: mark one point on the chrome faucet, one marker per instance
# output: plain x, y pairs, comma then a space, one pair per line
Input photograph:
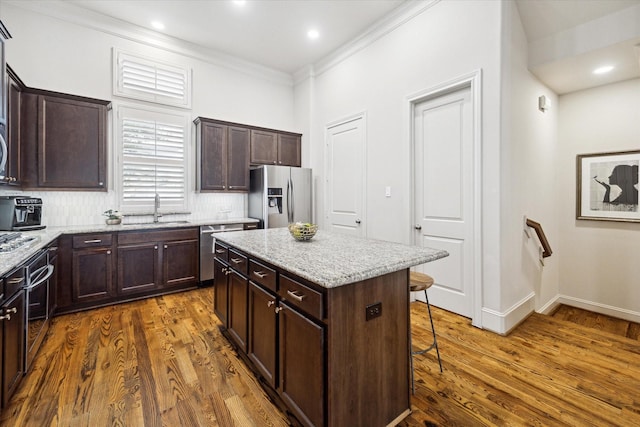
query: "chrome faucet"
156, 206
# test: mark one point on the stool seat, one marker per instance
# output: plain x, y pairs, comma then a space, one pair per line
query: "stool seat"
419, 281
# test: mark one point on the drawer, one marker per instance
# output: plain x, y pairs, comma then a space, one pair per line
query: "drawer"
262, 275
251, 226
238, 262
92, 240
220, 251
13, 282
301, 296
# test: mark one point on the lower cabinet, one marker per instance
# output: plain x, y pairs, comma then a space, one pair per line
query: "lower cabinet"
286, 345
105, 268
13, 336
157, 261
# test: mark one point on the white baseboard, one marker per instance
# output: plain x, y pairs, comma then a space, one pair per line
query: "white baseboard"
620, 313
503, 323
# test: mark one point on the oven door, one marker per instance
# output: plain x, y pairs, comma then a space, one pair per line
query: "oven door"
39, 271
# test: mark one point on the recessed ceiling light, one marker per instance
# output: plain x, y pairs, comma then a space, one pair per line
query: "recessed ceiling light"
603, 70
239, 2
157, 25
313, 34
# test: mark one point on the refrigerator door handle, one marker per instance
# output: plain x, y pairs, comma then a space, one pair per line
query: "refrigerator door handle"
293, 202
289, 216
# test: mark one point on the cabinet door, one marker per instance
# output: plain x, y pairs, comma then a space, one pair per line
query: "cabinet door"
13, 344
262, 332
71, 144
220, 291
138, 268
302, 366
212, 139
238, 289
264, 147
289, 150
238, 160
180, 263
92, 275
12, 171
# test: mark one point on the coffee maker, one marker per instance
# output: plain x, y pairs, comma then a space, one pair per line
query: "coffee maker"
20, 213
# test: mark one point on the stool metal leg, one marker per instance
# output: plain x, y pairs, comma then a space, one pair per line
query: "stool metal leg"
433, 345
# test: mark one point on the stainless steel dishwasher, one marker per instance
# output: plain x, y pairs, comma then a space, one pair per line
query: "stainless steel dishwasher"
207, 242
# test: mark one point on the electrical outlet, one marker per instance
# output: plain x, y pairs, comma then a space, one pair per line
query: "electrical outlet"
373, 310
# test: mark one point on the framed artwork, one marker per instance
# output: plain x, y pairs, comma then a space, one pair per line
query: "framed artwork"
607, 186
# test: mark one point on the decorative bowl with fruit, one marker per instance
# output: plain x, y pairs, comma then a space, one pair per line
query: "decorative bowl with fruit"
303, 230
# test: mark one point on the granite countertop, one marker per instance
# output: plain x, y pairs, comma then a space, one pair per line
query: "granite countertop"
10, 260
329, 259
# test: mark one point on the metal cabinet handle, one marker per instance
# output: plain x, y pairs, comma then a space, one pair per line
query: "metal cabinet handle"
294, 295
13, 310
278, 309
418, 227
109, 252
236, 260
93, 241
270, 303
358, 221
220, 251
155, 247
260, 274
7, 317
166, 247
228, 271
16, 280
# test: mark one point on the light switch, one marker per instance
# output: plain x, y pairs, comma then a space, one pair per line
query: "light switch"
387, 191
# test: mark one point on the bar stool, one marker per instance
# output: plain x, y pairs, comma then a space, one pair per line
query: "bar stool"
421, 282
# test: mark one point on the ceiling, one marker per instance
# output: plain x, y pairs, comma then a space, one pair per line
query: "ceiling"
272, 33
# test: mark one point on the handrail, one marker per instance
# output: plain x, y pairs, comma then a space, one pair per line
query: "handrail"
540, 233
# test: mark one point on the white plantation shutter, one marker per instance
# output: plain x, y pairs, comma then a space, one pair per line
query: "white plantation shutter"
150, 80
153, 160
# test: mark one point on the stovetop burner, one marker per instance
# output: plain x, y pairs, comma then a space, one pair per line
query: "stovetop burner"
12, 241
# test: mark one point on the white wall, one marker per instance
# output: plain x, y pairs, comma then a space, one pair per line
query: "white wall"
55, 54
599, 267
528, 181
446, 41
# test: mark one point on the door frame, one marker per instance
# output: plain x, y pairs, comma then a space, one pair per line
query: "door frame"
361, 115
472, 81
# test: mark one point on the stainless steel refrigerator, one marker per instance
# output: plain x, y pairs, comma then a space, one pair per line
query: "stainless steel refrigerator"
280, 195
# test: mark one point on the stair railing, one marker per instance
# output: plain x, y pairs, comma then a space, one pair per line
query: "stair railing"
544, 248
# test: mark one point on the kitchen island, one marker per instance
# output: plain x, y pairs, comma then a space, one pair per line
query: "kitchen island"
323, 323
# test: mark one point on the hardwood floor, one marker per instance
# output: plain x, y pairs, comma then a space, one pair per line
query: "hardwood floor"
163, 361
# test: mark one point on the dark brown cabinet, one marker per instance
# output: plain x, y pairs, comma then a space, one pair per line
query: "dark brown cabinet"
63, 141
221, 291
301, 365
14, 98
12, 313
157, 261
98, 269
237, 320
275, 148
92, 268
263, 321
223, 156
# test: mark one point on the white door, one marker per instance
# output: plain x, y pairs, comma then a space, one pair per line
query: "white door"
345, 176
444, 195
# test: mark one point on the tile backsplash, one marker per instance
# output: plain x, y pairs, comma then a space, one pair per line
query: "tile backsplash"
69, 208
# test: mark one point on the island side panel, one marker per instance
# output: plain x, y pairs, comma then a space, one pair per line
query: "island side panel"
368, 360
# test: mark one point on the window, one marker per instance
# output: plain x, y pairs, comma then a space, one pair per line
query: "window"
152, 159
150, 80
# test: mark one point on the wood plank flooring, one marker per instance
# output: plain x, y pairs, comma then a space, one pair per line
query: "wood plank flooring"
163, 362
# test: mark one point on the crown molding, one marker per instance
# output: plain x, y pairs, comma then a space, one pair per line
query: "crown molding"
396, 18
76, 15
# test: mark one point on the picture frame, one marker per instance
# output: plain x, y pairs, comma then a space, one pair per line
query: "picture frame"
607, 186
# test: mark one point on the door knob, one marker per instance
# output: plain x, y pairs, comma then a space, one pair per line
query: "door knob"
418, 227
357, 221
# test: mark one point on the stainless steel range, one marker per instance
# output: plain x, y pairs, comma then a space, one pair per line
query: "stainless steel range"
9, 242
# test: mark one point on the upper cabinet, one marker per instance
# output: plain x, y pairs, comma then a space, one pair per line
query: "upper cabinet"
275, 148
226, 150
63, 141
223, 156
14, 97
